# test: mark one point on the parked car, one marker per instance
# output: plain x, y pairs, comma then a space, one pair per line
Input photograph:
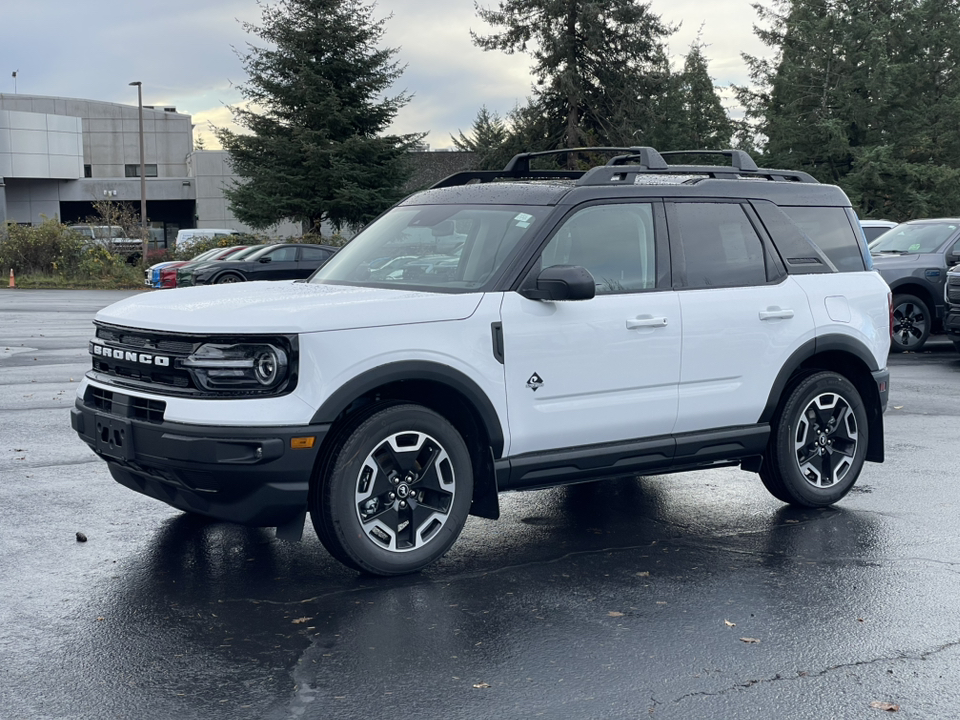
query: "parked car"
185, 273
872, 229
152, 273
951, 296
913, 258
112, 237
287, 261
636, 318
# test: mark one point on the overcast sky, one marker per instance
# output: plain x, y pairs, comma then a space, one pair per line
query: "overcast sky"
183, 52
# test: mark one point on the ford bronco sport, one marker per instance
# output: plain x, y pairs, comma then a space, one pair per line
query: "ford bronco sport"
509, 330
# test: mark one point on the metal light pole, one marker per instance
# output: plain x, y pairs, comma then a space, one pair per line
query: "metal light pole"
143, 177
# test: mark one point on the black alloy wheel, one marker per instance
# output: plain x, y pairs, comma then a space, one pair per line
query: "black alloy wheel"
818, 442
911, 323
396, 492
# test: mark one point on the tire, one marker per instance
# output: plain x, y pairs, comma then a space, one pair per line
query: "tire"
818, 442
395, 492
228, 278
911, 323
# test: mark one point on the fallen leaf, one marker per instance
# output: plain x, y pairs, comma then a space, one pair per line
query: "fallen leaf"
480, 686
301, 620
749, 640
889, 707
729, 624
614, 613
898, 407
645, 573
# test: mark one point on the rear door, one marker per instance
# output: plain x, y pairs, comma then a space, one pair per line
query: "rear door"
742, 315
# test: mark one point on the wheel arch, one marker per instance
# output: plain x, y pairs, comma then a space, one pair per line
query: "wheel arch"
222, 273
442, 389
846, 357
910, 286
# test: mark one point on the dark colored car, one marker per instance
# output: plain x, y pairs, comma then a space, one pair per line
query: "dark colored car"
913, 258
185, 273
292, 261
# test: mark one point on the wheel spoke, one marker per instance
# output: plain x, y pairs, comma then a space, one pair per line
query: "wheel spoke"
405, 491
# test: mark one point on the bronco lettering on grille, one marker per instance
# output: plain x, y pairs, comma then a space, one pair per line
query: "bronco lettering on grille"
128, 356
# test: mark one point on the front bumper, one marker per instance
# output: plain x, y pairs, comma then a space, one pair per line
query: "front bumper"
951, 323
247, 475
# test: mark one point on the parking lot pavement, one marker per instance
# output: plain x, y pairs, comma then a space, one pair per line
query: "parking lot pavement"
683, 596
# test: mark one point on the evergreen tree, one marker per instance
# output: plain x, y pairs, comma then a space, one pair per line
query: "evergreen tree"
600, 67
316, 115
488, 140
866, 94
704, 123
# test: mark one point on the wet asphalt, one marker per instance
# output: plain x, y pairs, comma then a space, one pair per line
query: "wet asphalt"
683, 596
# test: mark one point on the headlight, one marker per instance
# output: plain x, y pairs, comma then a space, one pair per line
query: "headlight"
238, 367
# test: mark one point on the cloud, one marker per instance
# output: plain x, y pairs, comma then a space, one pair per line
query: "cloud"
183, 52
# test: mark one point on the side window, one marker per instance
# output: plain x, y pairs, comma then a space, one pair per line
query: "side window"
308, 253
614, 242
284, 254
720, 246
830, 230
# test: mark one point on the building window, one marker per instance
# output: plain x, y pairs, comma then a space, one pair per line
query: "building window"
134, 170
88, 171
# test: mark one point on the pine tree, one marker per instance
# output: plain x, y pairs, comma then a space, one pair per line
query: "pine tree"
600, 67
704, 123
487, 140
316, 113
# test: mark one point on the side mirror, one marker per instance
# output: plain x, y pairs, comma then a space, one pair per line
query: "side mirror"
266, 259
562, 282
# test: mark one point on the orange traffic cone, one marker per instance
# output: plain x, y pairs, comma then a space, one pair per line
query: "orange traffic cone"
13, 282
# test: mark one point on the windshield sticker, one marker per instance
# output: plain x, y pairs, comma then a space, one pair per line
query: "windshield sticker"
523, 224
523, 217
914, 247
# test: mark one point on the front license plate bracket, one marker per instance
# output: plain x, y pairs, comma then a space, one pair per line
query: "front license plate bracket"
114, 437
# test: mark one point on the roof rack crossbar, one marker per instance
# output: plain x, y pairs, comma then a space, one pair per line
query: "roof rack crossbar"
485, 176
626, 174
738, 158
520, 164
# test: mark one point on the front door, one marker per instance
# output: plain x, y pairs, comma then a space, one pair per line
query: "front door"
599, 370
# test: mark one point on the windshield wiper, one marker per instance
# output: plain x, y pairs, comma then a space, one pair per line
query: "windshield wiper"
889, 252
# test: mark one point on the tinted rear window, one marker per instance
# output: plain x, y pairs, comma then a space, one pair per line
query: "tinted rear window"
831, 231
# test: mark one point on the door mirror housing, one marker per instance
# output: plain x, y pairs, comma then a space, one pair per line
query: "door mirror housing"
266, 259
562, 282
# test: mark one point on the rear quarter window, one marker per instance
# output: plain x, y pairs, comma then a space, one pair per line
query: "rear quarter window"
829, 229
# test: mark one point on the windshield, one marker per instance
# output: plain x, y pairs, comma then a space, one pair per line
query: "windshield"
446, 248
245, 253
909, 238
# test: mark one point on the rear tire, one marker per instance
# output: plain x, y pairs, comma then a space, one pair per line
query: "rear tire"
818, 442
395, 493
911, 323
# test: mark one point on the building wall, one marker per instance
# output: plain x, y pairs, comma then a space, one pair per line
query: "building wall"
211, 171
40, 145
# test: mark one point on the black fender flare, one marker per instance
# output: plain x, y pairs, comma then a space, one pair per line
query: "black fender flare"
421, 370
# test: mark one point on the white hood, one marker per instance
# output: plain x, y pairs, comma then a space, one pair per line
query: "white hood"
283, 307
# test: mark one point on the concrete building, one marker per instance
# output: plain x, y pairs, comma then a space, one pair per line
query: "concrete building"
60, 155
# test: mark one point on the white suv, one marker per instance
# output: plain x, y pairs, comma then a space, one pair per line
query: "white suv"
639, 317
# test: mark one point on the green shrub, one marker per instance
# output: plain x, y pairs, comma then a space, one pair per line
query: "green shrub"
39, 248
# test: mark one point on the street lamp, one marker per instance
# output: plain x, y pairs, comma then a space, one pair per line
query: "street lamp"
143, 176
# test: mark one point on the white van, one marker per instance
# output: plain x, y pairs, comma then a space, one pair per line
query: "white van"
186, 238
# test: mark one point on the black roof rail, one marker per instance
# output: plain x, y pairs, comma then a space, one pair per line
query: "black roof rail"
519, 166
738, 158
632, 162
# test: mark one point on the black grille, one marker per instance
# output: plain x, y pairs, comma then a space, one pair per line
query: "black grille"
115, 403
953, 289
99, 399
144, 359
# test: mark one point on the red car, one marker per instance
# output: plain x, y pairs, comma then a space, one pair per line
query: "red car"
168, 273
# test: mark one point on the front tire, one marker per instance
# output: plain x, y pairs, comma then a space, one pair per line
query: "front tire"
911, 323
818, 442
395, 493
